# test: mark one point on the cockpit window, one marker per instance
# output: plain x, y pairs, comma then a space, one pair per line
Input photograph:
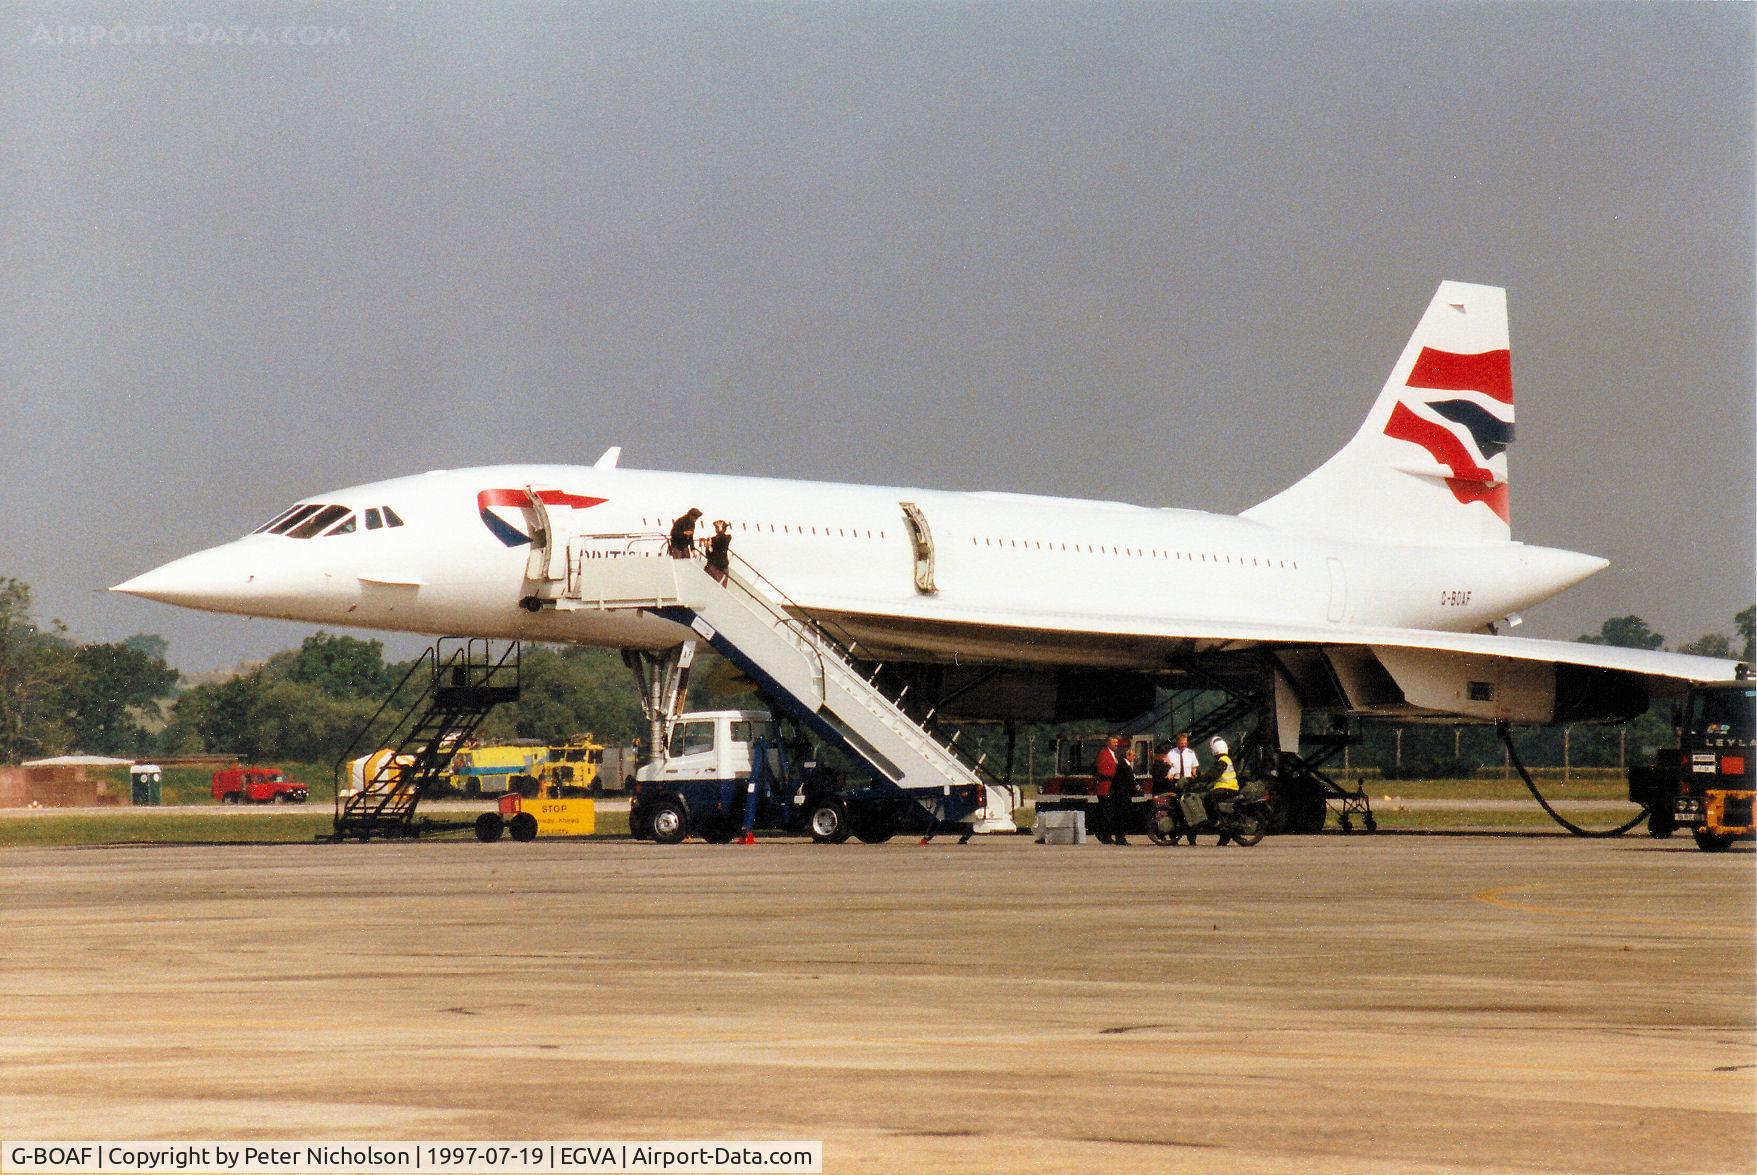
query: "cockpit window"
317, 522
307, 519
277, 518
299, 514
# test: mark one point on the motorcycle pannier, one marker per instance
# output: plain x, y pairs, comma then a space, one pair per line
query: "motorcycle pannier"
1194, 812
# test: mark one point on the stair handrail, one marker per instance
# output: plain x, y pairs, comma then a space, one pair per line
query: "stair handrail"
785, 612
429, 656
844, 647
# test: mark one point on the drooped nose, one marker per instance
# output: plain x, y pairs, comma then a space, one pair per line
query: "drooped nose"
238, 577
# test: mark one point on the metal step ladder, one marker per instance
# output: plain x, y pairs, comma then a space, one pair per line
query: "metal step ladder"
798, 663
462, 685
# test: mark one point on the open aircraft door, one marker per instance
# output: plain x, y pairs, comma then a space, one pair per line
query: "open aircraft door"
546, 564
921, 544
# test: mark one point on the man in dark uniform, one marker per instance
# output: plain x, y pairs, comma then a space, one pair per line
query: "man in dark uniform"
720, 550
682, 542
1121, 798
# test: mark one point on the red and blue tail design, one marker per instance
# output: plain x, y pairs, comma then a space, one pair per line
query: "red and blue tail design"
1430, 463
1463, 434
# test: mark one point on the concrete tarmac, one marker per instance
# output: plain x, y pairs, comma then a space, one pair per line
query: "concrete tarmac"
1388, 1003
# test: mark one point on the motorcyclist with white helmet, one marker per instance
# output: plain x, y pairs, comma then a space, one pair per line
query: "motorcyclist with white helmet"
1224, 780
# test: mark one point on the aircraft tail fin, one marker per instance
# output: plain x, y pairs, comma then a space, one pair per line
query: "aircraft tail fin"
1430, 463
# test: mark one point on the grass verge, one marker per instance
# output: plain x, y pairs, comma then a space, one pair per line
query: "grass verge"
268, 826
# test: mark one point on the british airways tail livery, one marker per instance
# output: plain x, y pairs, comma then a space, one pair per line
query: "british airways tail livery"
1372, 587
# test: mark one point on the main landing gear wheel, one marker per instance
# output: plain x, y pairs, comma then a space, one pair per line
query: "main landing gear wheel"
669, 823
828, 822
1306, 811
489, 826
522, 827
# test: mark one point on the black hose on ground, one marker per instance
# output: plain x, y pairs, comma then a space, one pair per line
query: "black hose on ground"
1506, 734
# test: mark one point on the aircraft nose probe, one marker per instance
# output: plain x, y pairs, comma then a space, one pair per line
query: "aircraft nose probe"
211, 578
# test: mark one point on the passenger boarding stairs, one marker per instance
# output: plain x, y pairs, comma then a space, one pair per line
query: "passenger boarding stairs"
794, 660
462, 684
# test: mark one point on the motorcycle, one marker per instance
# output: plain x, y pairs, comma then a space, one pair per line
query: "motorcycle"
1243, 817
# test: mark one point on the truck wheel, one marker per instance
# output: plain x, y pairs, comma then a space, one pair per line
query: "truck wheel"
719, 830
489, 826
875, 829
669, 822
1661, 824
828, 821
522, 827
1708, 842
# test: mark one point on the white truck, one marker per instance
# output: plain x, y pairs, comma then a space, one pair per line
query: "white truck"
727, 770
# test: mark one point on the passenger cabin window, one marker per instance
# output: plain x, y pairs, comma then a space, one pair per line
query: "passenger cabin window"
374, 519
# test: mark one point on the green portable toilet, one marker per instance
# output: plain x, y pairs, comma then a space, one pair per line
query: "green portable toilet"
146, 785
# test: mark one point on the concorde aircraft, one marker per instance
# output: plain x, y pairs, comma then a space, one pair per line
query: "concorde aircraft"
1380, 585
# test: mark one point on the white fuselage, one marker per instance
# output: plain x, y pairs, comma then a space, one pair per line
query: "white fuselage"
1000, 562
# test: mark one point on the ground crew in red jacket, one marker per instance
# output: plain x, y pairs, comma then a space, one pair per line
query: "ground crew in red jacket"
1103, 773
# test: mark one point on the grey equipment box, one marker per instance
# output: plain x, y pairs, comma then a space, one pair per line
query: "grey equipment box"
1059, 828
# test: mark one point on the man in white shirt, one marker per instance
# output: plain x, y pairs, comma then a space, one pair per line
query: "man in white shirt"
1182, 768
1182, 764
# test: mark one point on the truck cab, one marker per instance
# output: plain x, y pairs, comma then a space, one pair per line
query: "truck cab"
1706, 784
257, 785
712, 780
1715, 763
709, 744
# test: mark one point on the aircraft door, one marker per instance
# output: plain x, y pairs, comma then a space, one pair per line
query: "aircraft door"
921, 544
1338, 591
547, 561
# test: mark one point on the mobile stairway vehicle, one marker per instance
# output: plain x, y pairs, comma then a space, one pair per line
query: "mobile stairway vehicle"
731, 773
800, 668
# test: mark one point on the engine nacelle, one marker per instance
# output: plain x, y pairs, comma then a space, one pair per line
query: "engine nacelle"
1503, 689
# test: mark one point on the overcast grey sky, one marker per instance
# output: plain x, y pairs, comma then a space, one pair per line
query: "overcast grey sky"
951, 245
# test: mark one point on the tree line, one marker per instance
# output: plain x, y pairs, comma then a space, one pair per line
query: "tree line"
121, 698
306, 704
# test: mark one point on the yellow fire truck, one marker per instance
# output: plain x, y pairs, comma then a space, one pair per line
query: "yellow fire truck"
529, 768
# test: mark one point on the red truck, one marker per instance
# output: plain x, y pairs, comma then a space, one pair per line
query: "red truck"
257, 785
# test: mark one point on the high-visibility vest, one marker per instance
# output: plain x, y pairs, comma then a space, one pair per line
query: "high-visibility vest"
1228, 780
